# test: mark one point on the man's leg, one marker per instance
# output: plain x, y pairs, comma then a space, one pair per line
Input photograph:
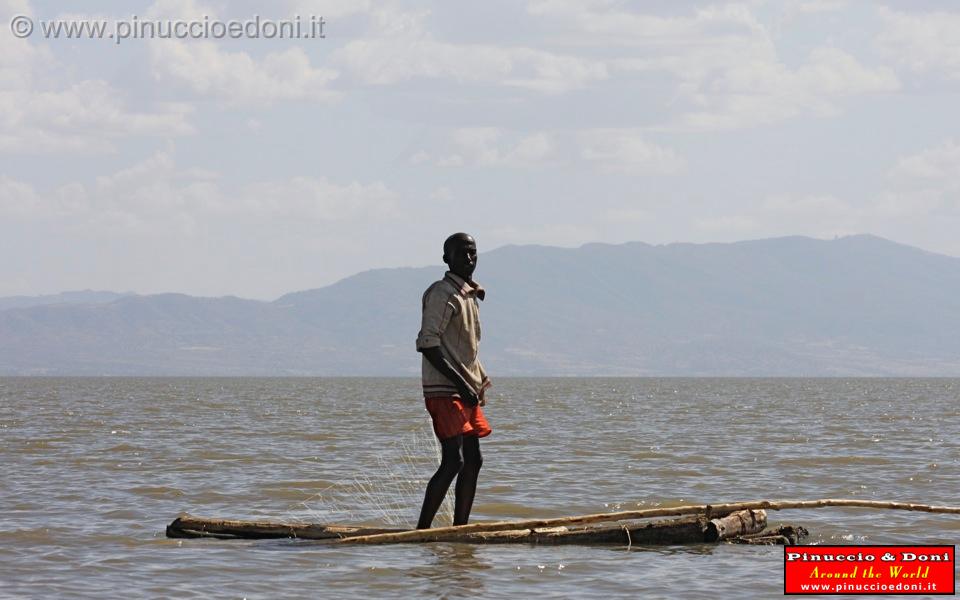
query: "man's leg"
467, 480
451, 462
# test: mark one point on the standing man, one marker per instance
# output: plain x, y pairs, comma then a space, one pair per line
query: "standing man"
454, 382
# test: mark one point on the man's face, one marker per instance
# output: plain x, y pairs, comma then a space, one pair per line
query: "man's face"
462, 258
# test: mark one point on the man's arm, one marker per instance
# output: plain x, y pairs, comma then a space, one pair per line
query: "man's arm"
435, 357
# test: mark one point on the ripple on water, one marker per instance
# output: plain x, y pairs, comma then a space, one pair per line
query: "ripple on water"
84, 512
821, 461
159, 492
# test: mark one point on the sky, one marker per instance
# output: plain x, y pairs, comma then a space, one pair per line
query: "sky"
258, 166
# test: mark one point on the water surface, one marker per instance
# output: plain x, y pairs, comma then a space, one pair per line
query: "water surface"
94, 469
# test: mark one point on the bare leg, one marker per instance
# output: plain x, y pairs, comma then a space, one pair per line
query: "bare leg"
451, 462
467, 480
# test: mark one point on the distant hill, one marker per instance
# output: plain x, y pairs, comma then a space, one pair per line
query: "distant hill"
78, 297
794, 306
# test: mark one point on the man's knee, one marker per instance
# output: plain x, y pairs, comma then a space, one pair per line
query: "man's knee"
471, 455
451, 465
475, 462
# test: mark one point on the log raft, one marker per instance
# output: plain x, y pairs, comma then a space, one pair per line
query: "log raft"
741, 522
743, 527
441, 534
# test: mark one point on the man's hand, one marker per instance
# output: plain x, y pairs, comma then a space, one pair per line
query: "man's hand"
468, 396
435, 357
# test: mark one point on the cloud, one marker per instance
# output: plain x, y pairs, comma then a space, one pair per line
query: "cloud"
317, 199
608, 150
43, 110
442, 194
922, 42
938, 164
330, 8
724, 65
606, 20
818, 6
625, 151
494, 147
921, 192
88, 116
826, 215
761, 92
924, 183
817, 215
157, 197
236, 78
400, 49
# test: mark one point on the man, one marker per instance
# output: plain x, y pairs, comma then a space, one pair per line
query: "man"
454, 382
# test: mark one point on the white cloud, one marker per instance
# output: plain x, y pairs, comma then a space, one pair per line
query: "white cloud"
330, 8
452, 160
17, 197
939, 164
442, 194
825, 214
237, 78
816, 215
608, 21
625, 151
419, 158
494, 147
819, 6
399, 49
923, 42
817, 9
85, 116
924, 183
922, 192
724, 62
157, 197
608, 150
42, 110
752, 93
317, 199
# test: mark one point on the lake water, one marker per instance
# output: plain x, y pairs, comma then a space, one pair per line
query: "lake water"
95, 468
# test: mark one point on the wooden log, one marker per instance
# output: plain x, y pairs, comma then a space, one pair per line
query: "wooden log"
442, 533
783, 535
187, 526
693, 529
674, 531
742, 522
684, 530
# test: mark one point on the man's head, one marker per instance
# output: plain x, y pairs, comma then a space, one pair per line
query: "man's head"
460, 254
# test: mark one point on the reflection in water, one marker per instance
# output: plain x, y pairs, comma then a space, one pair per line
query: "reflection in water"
455, 566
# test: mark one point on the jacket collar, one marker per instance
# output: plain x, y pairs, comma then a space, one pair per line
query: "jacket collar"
464, 287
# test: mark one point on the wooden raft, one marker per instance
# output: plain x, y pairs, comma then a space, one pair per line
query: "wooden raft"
747, 526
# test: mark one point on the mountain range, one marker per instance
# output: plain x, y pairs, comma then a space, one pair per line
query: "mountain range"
794, 306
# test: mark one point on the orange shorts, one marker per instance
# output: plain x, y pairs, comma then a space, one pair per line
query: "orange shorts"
451, 418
